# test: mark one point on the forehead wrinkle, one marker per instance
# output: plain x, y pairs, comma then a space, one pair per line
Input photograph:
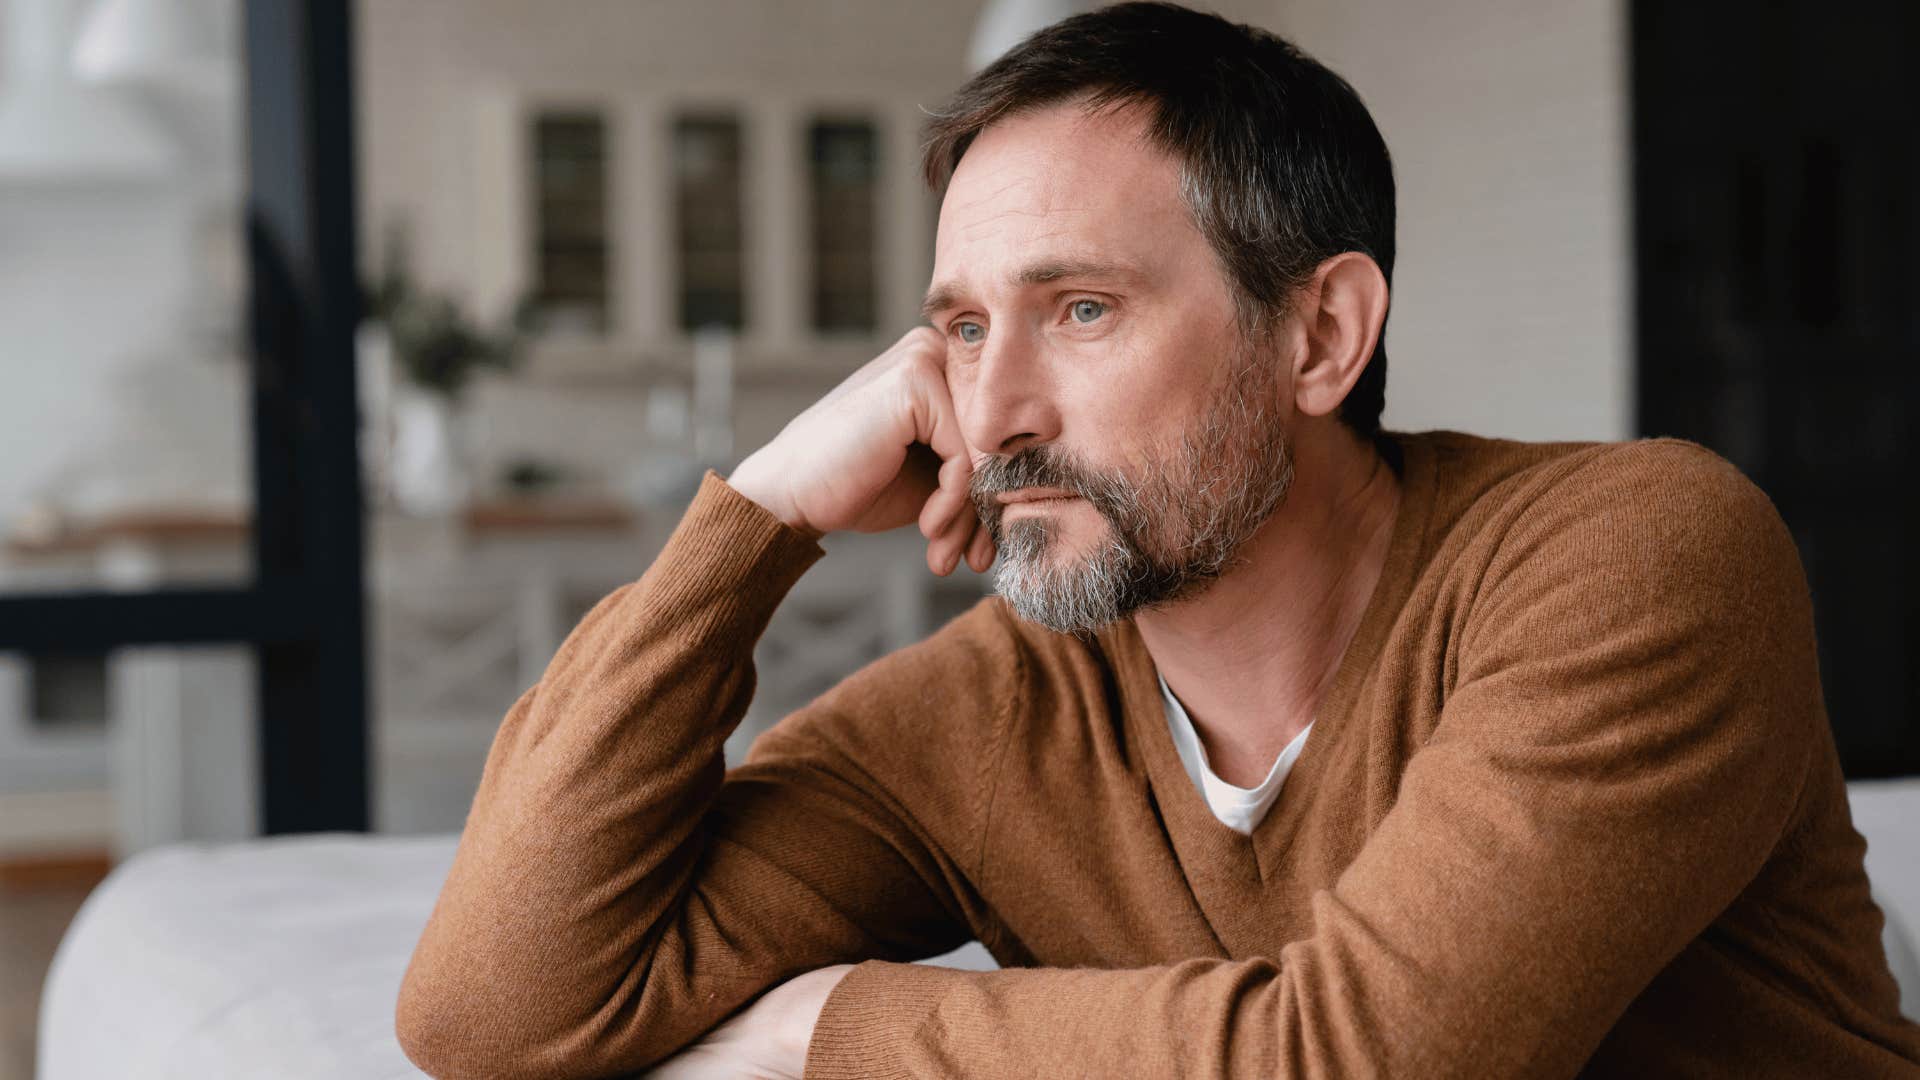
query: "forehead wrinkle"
973, 228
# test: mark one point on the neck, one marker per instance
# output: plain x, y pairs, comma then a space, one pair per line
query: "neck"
1251, 657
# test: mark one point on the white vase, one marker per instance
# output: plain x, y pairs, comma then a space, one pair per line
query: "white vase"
429, 475
373, 352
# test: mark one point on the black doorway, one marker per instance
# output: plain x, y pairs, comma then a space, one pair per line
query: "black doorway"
1776, 166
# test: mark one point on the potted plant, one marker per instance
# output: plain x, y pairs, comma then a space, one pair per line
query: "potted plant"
434, 349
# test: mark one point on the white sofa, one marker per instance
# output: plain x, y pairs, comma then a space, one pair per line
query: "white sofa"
283, 957
1887, 813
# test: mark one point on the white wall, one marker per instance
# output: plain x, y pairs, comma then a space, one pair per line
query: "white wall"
1507, 122
120, 379
104, 402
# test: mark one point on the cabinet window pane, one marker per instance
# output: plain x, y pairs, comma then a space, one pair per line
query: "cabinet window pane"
570, 169
843, 174
709, 240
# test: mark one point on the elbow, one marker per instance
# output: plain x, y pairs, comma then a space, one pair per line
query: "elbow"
454, 1027
451, 1030
431, 1029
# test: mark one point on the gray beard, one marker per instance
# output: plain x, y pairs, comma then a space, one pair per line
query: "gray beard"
1170, 532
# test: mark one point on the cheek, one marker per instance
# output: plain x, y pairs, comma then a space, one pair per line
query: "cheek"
1136, 389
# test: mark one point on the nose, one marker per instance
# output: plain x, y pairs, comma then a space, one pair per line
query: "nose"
1005, 399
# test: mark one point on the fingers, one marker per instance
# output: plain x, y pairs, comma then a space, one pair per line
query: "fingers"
946, 549
965, 538
938, 426
980, 551
949, 500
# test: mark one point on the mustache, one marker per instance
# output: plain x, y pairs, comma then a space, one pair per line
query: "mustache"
1036, 466
1042, 466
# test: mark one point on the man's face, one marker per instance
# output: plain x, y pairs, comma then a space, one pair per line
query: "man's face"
1127, 436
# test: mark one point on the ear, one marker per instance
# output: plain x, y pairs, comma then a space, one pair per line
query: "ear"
1341, 310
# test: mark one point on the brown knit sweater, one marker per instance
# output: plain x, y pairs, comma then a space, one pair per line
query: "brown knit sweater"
1572, 806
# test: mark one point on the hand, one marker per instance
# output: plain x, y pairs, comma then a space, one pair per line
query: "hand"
767, 1040
880, 450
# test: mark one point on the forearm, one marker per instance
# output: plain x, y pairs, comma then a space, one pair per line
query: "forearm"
589, 819
1199, 1018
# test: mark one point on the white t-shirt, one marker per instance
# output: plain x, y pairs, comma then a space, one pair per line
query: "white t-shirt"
1238, 808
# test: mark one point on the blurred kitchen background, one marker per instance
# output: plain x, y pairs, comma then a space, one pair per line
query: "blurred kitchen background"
601, 245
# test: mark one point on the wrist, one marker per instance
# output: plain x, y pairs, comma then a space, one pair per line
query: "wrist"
751, 479
809, 996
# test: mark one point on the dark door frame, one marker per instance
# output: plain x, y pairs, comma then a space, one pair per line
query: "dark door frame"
304, 612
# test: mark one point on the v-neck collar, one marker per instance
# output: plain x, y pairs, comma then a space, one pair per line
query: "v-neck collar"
1221, 864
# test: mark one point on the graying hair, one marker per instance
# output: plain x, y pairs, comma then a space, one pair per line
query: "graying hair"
1281, 164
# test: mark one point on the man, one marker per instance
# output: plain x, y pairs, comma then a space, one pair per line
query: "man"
1560, 792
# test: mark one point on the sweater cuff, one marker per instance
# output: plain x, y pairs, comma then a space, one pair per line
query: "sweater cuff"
872, 1015
725, 540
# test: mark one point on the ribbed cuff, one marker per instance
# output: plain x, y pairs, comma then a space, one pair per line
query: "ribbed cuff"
726, 541
868, 1021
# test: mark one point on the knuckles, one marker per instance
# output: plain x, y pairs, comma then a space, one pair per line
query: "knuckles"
925, 337
898, 383
924, 345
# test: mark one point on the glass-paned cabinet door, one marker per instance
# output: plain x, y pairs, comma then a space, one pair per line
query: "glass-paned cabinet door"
708, 191
843, 172
570, 221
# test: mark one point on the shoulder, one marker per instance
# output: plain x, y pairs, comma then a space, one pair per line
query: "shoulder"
1659, 504
1640, 553
1480, 482
1500, 505
1658, 471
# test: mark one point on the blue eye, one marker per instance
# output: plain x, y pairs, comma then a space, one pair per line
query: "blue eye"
970, 332
1085, 311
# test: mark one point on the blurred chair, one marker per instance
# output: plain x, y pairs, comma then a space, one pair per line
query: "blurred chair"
461, 623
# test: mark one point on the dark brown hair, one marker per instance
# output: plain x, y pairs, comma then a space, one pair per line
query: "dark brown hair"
1282, 166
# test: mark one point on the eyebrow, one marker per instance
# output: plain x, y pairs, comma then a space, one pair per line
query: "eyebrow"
949, 294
